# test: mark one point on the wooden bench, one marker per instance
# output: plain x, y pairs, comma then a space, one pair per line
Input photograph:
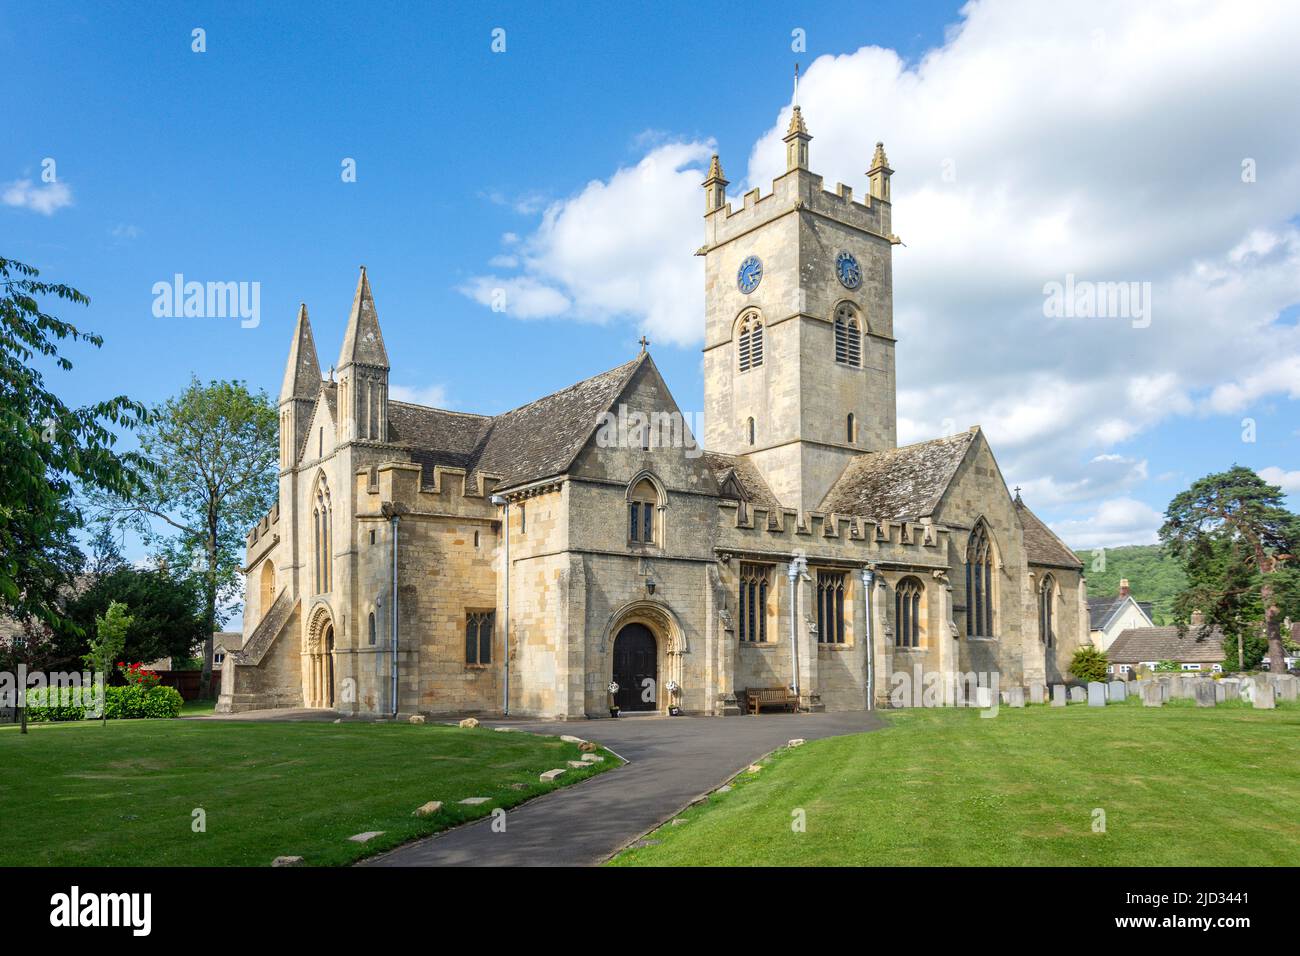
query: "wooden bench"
756, 698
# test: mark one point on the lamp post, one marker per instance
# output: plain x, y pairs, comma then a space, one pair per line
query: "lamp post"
798, 567
868, 577
501, 502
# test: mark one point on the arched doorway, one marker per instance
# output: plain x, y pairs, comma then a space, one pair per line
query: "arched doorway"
329, 666
636, 669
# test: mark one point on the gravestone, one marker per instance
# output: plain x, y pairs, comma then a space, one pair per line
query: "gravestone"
1231, 689
1265, 697
1175, 687
983, 697
1286, 686
1016, 697
1118, 690
1096, 694
1153, 694
1078, 695
1058, 695
1037, 693
1220, 693
1204, 691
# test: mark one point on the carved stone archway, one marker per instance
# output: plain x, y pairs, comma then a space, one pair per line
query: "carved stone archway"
663, 623
318, 659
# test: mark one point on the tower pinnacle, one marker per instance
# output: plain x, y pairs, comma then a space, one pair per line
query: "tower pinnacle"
715, 186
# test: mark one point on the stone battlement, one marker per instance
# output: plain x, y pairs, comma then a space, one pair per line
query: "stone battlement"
761, 528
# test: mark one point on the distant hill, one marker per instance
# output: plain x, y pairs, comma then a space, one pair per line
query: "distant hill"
1152, 576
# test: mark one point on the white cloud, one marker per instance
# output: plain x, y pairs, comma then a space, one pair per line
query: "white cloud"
1097, 138
45, 198
522, 296
1117, 521
1289, 481
431, 396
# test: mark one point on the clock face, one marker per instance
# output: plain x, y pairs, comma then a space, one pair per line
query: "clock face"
750, 275
846, 267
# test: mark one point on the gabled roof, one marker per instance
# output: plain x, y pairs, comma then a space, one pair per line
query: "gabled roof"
753, 488
1041, 545
902, 483
1102, 610
1137, 644
526, 444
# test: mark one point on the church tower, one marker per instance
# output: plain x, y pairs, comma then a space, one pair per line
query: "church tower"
363, 372
799, 325
299, 392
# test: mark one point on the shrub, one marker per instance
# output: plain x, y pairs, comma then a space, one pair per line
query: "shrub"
46, 704
1167, 667
120, 703
1089, 664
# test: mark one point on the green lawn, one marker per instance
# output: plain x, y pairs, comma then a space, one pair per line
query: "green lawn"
123, 795
1179, 786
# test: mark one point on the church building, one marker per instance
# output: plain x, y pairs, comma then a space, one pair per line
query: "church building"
583, 551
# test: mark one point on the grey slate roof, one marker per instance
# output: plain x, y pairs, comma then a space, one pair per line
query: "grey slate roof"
1041, 545
1102, 608
752, 486
526, 444
1139, 644
906, 482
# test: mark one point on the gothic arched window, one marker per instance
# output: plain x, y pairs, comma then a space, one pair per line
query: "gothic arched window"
979, 583
642, 502
848, 336
1046, 634
907, 613
750, 347
851, 430
322, 527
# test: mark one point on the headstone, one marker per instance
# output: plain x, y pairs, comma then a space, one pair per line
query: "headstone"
1016, 697
1153, 694
1175, 687
1231, 688
1204, 691
550, 775
1220, 692
1058, 695
1037, 693
1265, 696
1286, 686
983, 697
1118, 691
1078, 695
1096, 694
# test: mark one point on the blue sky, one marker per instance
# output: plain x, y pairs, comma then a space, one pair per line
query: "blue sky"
479, 167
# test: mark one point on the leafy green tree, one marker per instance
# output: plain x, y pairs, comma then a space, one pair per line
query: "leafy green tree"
1089, 663
110, 637
1166, 667
213, 451
167, 611
1237, 542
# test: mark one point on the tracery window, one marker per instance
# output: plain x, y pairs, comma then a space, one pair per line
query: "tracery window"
979, 583
755, 580
830, 607
907, 613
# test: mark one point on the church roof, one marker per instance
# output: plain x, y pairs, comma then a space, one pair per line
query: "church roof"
1041, 545
1139, 644
534, 441
755, 490
902, 483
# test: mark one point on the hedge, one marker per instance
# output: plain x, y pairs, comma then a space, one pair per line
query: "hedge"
120, 703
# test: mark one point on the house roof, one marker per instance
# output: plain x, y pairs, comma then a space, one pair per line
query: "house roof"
906, 482
1103, 608
1042, 546
525, 444
1137, 644
755, 490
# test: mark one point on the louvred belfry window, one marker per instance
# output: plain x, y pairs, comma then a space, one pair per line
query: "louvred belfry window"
751, 342
848, 337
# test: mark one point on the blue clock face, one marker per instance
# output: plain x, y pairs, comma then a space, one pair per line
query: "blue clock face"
846, 267
750, 275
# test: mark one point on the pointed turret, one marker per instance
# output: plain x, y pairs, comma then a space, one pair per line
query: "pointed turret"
363, 343
299, 391
302, 372
796, 137
363, 371
879, 173
715, 187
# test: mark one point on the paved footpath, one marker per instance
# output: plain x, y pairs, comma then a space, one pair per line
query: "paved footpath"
672, 761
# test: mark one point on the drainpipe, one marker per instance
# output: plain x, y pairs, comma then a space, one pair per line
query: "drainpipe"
501, 502
868, 576
394, 519
798, 566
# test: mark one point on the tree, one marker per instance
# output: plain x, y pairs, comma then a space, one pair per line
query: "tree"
110, 637
1238, 543
167, 610
47, 450
212, 451
1089, 663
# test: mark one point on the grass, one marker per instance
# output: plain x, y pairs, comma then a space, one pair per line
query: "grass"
194, 708
124, 795
1179, 786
